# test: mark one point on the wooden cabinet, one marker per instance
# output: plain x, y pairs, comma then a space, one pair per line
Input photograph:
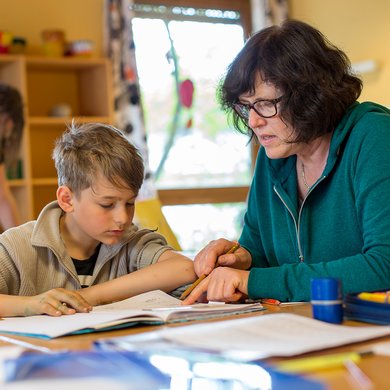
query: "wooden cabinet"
83, 85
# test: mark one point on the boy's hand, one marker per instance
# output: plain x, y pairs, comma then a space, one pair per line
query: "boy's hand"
56, 302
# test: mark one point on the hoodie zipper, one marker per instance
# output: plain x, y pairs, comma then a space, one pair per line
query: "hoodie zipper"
297, 224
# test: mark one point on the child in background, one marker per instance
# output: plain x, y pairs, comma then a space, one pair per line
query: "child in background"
86, 237
11, 130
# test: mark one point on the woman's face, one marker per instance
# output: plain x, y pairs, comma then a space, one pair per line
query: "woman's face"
272, 133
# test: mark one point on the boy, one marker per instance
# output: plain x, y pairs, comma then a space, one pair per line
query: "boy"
86, 237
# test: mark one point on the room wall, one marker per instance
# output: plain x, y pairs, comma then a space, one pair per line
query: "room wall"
79, 19
360, 28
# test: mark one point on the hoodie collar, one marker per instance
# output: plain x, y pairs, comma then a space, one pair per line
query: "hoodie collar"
281, 169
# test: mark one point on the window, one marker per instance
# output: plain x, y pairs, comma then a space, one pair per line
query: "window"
202, 166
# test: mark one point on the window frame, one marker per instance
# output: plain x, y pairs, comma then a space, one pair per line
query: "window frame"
209, 195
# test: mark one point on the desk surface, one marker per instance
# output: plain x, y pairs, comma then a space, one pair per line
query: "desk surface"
375, 367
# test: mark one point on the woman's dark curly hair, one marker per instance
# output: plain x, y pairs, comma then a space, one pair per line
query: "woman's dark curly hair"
314, 76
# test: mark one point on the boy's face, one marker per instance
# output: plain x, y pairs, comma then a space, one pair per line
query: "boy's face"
102, 213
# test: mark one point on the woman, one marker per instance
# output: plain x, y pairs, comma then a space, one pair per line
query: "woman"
319, 203
11, 129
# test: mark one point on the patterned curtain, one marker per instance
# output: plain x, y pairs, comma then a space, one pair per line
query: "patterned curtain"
268, 12
128, 113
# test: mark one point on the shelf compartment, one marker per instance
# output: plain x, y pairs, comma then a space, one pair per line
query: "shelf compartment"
45, 181
82, 84
43, 140
42, 195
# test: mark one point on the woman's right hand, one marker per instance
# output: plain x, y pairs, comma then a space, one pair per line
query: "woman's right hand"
215, 254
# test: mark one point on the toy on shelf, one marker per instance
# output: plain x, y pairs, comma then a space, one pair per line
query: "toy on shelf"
5, 42
53, 43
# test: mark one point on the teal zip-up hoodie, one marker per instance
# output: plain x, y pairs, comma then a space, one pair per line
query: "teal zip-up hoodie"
342, 228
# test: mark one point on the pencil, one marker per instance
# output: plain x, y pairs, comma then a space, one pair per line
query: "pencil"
197, 281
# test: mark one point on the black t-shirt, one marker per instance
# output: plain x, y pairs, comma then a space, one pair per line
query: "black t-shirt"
84, 268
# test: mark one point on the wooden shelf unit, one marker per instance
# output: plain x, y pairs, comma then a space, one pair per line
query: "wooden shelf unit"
83, 84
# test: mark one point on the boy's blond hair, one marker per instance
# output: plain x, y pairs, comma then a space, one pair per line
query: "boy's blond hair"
84, 151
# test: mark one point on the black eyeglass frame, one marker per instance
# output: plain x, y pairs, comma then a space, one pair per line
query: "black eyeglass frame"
251, 106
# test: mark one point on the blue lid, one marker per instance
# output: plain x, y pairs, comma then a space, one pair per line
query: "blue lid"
326, 289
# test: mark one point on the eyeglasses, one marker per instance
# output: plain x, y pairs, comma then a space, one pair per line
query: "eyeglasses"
266, 108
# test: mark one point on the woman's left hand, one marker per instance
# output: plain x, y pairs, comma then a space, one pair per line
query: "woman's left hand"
223, 284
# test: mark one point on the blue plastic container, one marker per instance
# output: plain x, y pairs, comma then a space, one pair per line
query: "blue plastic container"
326, 300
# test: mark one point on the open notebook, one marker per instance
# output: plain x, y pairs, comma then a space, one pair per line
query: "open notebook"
154, 307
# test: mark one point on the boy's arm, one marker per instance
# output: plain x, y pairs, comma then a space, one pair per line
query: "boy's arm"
172, 270
54, 302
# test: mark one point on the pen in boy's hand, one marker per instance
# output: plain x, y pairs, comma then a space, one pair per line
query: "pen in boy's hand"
197, 281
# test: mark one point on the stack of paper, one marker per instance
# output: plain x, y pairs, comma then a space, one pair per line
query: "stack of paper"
252, 338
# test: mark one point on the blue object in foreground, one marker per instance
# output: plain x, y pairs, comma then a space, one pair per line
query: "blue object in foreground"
154, 370
326, 300
191, 368
123, 367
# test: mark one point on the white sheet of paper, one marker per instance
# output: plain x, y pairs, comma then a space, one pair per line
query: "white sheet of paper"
278, 334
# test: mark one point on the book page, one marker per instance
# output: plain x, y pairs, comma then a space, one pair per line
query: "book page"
168, 308
149, 300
